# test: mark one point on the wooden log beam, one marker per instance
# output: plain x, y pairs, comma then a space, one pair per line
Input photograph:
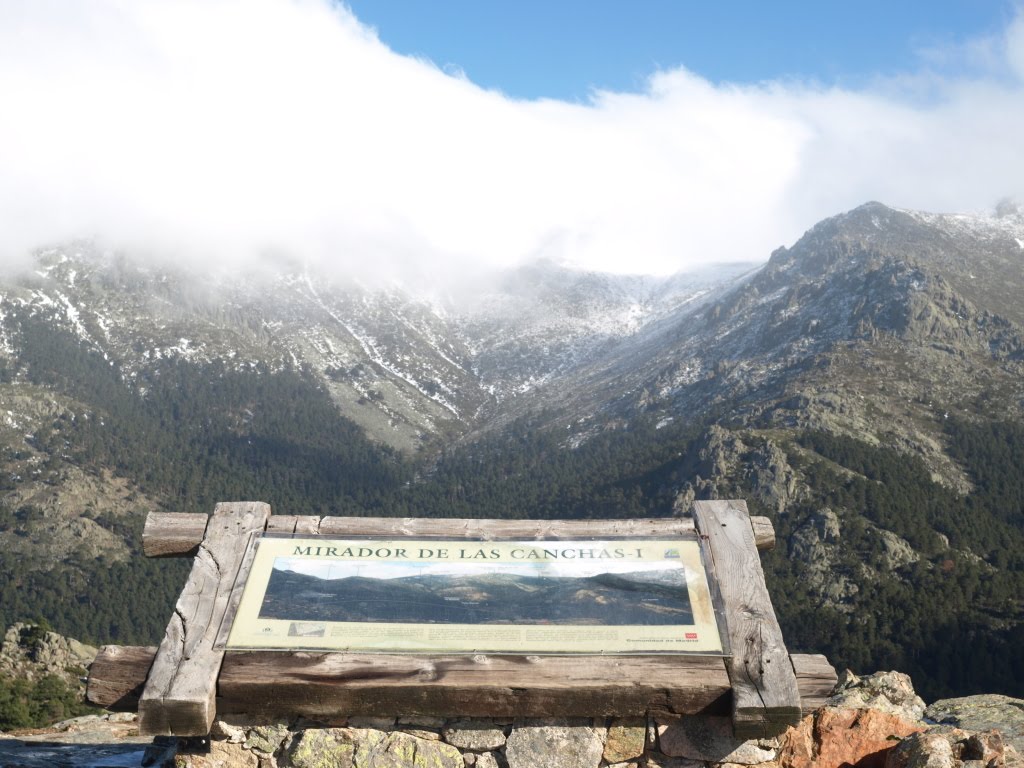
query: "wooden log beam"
173, 534
815, 679
121, 670
765, 694
764, 533
179, 534
179, 697
117, 676
276, 684
462, 528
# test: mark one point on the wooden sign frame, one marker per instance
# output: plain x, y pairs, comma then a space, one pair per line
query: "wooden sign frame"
448, 596
192, 678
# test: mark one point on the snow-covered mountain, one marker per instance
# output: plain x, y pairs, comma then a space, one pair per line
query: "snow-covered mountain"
870, 295
407, 369
874, 324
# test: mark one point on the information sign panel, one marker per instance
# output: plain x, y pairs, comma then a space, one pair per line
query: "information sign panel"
463, 596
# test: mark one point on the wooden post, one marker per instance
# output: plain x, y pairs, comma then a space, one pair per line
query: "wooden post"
179, 696
173, 534
764, 689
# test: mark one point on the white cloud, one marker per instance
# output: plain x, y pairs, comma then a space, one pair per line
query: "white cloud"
218, 130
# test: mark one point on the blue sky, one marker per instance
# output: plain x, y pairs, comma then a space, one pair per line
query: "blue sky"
422, 142
562, 49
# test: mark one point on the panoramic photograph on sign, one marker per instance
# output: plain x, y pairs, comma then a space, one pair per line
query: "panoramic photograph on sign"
614, 596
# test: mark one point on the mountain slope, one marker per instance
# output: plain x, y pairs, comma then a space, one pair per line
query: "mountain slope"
861, 327
864, 388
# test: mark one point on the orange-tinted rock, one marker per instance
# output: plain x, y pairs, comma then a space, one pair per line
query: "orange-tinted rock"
834, 738
796, 745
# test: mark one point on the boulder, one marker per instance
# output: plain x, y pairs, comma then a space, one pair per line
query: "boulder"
626, 739
400, 750
923, 750
222, 754
710, 739
266, 738
31, 652
896, 551
322, 748
889, 692
555, 745
983, 713
485, 760
949, 747
477, 735
833, 737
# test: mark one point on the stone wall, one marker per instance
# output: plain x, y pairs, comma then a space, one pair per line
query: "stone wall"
872, 722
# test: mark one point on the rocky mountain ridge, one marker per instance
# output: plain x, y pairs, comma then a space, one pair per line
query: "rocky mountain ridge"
875, 324
925, 304
407, 368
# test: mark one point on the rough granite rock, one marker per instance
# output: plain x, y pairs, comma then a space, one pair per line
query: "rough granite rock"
227, 731
710, 739
30, 653
553, 746
982, 713
322, 748
400, 750
815, 543
267, 738
626, 740
486, 760
923, 750
421, 733
890, 692
477, 735
949, 747
222, 754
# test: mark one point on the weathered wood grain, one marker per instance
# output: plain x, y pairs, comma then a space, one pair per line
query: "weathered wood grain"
176, 534
173, 534
178, 699
765, 695
307, 524
235, 598
464, 528
281, 524
764, 533
815, 679
117, 676
118, 670
271, 684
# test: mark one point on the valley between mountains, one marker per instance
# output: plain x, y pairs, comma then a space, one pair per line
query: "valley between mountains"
864, 388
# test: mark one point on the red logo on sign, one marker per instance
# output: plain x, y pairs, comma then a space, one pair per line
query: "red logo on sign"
691, 635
